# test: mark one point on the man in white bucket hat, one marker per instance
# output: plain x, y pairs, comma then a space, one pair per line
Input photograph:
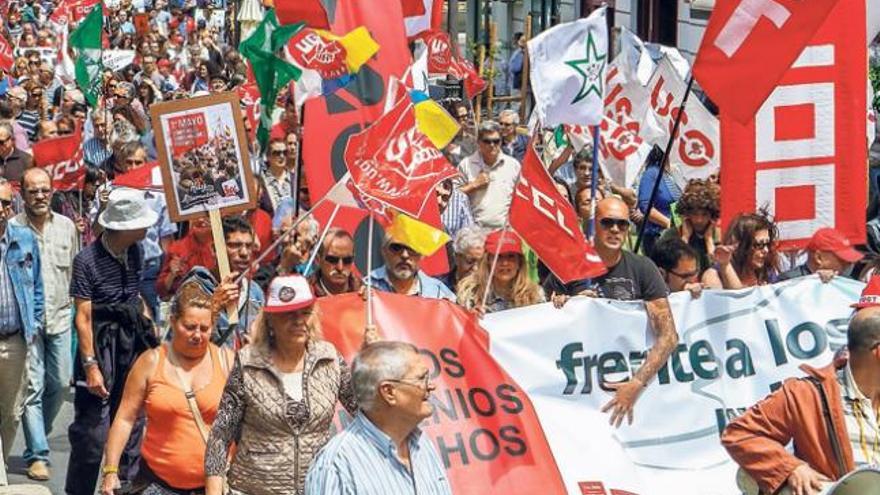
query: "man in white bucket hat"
111, 332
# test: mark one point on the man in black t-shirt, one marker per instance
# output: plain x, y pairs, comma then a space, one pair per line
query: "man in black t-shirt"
631, 277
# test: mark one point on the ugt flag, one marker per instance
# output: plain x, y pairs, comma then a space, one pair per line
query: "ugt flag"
549, 225
749, 45
568, 71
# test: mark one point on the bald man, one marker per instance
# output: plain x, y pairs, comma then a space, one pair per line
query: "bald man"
49, 358
630, 277
830, 417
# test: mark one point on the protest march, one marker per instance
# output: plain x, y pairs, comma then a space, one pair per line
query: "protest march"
435, 247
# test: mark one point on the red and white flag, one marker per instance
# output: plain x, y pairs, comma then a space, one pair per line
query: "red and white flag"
443, 58
393, 162
803, 154
548, 224
749, 45
62, 158
421, 15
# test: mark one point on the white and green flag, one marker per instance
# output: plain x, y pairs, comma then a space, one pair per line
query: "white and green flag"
87, 42
568, 71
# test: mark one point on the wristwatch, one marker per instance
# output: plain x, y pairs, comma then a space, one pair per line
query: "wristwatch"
89, 361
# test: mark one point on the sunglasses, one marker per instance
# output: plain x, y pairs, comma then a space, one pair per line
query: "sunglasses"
608, 223
333, 260
5, 203
493, 142
397, 248
277, 152
762, 244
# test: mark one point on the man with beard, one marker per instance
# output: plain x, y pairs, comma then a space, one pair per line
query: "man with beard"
49, 356
335, 262
401, 273
246, 294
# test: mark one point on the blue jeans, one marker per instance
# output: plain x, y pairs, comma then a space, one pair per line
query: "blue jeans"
49, 370
148, 286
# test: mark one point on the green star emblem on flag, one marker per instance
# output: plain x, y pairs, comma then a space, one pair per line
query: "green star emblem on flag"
590, 68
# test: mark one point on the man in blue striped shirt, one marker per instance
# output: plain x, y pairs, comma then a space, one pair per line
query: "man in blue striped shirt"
383, 451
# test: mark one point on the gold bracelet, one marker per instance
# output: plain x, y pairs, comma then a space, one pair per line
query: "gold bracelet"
109, 470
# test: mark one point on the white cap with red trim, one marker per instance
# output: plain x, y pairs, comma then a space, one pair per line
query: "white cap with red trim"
288, 293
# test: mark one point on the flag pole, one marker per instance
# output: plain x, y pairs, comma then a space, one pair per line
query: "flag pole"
663, 162
494, 264
594, 185
321, 240
369, 272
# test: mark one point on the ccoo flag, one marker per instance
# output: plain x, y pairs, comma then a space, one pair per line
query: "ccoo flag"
568, 71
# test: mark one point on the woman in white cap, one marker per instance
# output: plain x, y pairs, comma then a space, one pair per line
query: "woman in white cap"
280, 399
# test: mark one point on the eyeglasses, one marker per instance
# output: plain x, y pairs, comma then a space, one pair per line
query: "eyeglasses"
423, 383
34, 192
398, 248
608, 223
277, 152
491, 142
5, 203
333, 260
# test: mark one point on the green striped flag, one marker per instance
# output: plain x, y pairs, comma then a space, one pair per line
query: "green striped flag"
87, 41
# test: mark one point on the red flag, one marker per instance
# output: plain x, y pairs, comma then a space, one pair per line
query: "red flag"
395, 163
484, 426
7, 58
548, 224
148, 176
412, 7
311, 12
749, 45
62, 158
803, 155
443, 58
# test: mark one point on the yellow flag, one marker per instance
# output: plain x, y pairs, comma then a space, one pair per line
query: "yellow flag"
359, 46
421, 237
435, 123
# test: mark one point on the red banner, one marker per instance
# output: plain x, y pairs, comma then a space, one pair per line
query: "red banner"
548, 224
311, 12
329, 121
803, 155
145, 177
484, 426
62, 158
395, 163
749, 45
7, 57
186, 132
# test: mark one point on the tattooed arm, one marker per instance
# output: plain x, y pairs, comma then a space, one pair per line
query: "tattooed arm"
665, 341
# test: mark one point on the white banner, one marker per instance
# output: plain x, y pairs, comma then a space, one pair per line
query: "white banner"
734, 347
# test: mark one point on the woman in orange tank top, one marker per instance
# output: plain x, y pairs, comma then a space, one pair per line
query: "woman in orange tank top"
178, 387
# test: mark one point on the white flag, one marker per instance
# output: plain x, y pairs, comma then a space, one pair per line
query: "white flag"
568, 71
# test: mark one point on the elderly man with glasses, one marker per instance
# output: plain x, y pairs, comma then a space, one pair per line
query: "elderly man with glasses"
401, 273
490, 177
383, 450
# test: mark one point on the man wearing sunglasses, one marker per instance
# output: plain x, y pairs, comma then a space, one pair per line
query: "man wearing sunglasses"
490, 177
401, 273
335, 262
630, 277
678, 264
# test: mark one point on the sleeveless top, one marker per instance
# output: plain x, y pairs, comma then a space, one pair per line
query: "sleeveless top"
174, 449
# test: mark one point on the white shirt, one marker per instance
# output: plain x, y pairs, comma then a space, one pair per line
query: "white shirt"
490, 204
293, 384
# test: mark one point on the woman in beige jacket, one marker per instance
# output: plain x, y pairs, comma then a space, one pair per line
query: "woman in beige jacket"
279, 401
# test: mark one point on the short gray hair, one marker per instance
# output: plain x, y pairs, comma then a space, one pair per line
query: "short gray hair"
470, 237
376, 363
509, 113
488, 127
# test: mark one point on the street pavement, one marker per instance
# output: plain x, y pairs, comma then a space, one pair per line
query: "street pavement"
19, 484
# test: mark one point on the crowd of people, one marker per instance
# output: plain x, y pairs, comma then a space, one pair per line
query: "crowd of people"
185, 381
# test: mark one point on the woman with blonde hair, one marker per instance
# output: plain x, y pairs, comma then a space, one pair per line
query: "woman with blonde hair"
178, 388
280, 399
511, 286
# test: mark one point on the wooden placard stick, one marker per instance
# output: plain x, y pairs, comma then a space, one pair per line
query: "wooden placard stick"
222, 259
